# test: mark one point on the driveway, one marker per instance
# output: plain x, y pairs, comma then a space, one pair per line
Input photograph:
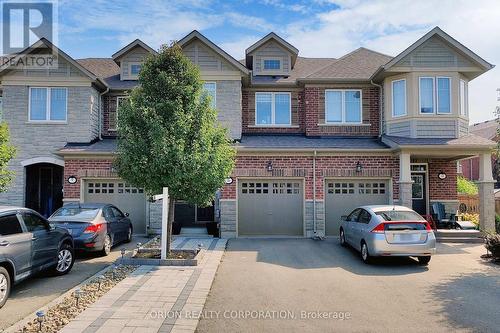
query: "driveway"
32, 294
272, 285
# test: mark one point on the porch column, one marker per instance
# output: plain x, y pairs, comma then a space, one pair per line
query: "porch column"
405, 182
486, 196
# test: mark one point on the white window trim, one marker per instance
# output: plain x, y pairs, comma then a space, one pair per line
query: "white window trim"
392, 97
215, 97
465, 104
437, 94
433, 95
273, 109
118, 98
48, 108
343, 122
130, 64
272, 70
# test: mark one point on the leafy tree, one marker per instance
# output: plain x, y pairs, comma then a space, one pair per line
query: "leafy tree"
169, 135
466, 186
7, 152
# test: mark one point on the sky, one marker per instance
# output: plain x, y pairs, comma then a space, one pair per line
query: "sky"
318, 28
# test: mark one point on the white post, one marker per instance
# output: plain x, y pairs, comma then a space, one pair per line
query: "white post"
164, 223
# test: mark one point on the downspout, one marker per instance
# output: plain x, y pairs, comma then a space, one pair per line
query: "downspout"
100, 112
380, 101
314, 194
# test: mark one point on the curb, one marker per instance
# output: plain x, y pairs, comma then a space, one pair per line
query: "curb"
21, 323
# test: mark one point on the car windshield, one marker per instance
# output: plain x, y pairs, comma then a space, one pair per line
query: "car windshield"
400, 215
75, 214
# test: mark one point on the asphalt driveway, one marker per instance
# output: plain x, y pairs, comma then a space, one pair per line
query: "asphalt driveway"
33, 293
301, 285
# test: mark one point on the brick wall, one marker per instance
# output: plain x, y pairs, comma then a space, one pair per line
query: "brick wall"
315, 112
109, 115
302, 167
82, 168
442, 189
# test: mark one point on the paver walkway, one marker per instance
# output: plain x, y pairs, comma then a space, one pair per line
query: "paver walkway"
156, 299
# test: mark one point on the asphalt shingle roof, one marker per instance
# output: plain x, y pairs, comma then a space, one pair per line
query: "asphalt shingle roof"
487, 129
466, 140
102, 146
298, 141
107, 70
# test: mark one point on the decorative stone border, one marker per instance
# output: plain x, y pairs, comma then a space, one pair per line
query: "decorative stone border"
162, 262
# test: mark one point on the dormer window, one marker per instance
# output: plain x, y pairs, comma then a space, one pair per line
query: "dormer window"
271, 64
135, 68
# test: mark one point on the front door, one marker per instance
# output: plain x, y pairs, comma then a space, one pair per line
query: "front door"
419, 193
44, 188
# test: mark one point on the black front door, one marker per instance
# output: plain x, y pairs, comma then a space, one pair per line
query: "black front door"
205, 214
419, 193
44, 188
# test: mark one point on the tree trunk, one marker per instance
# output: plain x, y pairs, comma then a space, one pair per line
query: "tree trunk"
170, 221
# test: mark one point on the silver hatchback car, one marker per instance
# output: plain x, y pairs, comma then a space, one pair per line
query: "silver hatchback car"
388, 231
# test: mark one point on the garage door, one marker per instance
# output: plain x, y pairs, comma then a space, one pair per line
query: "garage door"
342, 196
127, 198
270, 207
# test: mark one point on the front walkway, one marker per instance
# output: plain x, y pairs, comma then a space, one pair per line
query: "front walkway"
156, 299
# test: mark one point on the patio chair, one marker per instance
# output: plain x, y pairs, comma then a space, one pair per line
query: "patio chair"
441, 218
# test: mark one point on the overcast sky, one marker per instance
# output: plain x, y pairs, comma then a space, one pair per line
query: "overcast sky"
318, 28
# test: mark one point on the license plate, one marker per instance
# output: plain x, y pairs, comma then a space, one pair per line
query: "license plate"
405, 238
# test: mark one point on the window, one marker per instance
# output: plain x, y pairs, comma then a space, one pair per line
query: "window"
464, 99
135, 68
272, 64
34, 222
353, 217
417, 188
9, 225
113, 114
435, 95
364, 217
117, 213
210, 89
272, 108
398, 98
343, 106
426, 95
48, 104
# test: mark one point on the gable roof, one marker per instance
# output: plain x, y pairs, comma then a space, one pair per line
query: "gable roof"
43, 42
268, 37
117, 55
487, 129
358, 65
448, 39
195, 34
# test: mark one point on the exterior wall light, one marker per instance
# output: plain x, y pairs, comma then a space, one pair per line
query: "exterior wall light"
72, 179
359, 167
269, 166
442, 175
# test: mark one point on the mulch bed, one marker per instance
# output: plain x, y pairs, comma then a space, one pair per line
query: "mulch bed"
174, 254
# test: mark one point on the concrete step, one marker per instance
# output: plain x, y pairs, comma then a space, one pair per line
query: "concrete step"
473, 240
459, 233
194, 232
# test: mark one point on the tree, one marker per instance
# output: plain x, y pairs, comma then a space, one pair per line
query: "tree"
169, 135
7, 152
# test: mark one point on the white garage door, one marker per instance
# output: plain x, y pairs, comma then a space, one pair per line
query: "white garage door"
270, 207
342, 196
127, 198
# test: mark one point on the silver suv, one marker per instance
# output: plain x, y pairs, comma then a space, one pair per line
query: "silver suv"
28, 245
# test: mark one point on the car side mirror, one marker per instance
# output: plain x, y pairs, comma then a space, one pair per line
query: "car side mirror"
127, 214
344, 218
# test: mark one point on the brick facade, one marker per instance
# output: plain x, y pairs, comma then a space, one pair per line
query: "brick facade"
442, 189
82, 168
109, 118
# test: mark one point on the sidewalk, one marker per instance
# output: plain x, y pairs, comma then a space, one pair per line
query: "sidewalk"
155, 299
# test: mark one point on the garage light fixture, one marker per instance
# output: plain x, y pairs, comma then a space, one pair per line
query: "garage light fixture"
72, 179
359, 167
269, 166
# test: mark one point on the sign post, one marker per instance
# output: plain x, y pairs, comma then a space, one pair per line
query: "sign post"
164, 223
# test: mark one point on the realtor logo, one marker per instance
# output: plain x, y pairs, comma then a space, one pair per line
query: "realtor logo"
25, 22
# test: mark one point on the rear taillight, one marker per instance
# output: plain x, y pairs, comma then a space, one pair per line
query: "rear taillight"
380, 228
428, 227
93, 228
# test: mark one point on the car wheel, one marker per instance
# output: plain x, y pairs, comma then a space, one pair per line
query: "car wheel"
106, 247
4, 286
424, 261
65, 259
129, 235
365, 255
342, 238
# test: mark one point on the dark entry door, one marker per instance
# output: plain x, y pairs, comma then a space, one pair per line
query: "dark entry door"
419, 193
44, 188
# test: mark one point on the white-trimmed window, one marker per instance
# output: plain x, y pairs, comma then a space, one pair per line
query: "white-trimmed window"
435, 95
343, 106
210, 88
271, 64
399, 98
273, 109
113, 116
464, 98
134, 69
48, 104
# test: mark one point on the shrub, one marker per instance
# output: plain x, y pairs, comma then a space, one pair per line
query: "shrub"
466, 186
493, 245
497, 223
474, 218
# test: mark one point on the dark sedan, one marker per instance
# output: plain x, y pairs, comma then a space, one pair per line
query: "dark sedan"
94, 226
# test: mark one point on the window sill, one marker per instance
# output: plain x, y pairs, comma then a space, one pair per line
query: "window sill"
46, 122
344, 124
273, 126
